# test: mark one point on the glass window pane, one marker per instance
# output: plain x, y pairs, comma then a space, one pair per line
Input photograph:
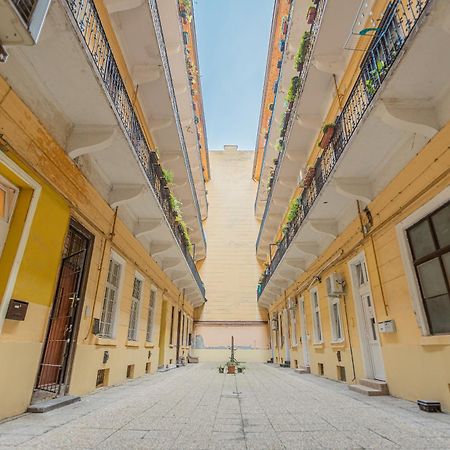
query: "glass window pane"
446, 260
431, 278
438, 309
421, 239
441, 224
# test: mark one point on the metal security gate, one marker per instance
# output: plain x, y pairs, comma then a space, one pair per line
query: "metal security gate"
59, 340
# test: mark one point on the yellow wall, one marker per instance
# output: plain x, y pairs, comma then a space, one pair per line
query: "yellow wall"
230, 272
31, 143
417, 367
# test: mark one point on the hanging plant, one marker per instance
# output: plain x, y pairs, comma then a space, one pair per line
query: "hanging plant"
301, 53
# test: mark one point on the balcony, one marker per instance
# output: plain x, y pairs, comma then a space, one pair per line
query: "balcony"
392, 111
85, 103
294, 130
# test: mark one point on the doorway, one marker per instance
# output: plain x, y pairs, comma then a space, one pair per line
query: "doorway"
304, 333
286, 338
367, 322
62, 330
162, 335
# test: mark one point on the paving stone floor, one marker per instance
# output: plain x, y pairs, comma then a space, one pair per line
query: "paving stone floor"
196, 407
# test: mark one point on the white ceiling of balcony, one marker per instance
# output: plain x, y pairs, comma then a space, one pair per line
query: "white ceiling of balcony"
329, 57
408, 110
70, 102
132, 22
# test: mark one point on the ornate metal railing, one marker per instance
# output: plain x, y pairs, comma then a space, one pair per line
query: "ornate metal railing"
394, 29
91, 31
25, 8
314, 31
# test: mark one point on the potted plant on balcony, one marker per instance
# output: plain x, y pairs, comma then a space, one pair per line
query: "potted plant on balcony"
302, 49
311, 15
231, 367
292, 92
328, 132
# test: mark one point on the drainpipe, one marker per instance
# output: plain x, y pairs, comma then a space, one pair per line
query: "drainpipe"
23, 238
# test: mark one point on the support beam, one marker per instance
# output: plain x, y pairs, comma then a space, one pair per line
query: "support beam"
298, 264
87, 139
143, 227
332, 63
115, 6
308, 248
158, 248
146, 73
324, 227
171, 263
122, 194
415, 116
310, 121
159, 124
354, 188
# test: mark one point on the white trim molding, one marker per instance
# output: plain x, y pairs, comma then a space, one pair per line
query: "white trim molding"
406, 255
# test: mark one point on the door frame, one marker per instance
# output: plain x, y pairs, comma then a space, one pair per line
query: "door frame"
77, 319
304, 332
369, 370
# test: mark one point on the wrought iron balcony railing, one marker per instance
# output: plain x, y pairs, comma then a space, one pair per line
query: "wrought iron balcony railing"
314, 31
92, 34
395, 27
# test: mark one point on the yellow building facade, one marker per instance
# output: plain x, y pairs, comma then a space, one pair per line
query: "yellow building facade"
93, 292
357, 286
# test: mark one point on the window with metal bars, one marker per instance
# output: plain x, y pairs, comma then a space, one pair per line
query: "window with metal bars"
151, 316
134, 310
111, 298
335, 316
429, 241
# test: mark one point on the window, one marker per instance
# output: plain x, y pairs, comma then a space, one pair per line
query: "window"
151, 316
171, 326
293, 321
8, 197
134, 310
316, 317
182, 329
335, 317
429, 242
111, 298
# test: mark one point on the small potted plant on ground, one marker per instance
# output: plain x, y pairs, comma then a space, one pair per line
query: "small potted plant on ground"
221, 369
311, 15
328, 132
231, 367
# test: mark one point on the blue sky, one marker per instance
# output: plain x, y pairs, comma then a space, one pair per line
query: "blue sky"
232, 40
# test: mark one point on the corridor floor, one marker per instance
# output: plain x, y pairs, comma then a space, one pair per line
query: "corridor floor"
196, 407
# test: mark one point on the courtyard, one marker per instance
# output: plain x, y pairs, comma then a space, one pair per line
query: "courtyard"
267, 407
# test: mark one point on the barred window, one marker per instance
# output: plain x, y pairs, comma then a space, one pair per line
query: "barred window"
335, 316
429, 241
134, 310
111, 298
151, 316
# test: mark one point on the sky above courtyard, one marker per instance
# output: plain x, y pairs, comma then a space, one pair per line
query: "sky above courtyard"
232, 40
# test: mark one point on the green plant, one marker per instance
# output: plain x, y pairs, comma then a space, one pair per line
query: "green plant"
293, 89
168, 176
293, 211
375, 74
185, 231
301, 53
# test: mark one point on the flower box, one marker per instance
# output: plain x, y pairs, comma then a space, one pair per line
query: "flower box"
311, 15
328, 133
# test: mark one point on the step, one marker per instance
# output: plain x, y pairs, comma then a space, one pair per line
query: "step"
302, 370
365, 390
375, 384
54, 403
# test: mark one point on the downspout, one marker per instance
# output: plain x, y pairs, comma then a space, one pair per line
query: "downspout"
23, 238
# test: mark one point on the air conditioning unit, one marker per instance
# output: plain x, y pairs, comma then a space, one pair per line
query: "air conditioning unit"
335, 285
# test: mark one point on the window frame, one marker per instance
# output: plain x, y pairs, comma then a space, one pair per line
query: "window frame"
121, 261
407, 257
317, 318
150, 330
334, 338
135, 336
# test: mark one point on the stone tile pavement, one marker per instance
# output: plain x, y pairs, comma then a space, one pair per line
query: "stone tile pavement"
195, 407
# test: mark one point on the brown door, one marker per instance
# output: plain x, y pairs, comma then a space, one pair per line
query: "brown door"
60, 334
